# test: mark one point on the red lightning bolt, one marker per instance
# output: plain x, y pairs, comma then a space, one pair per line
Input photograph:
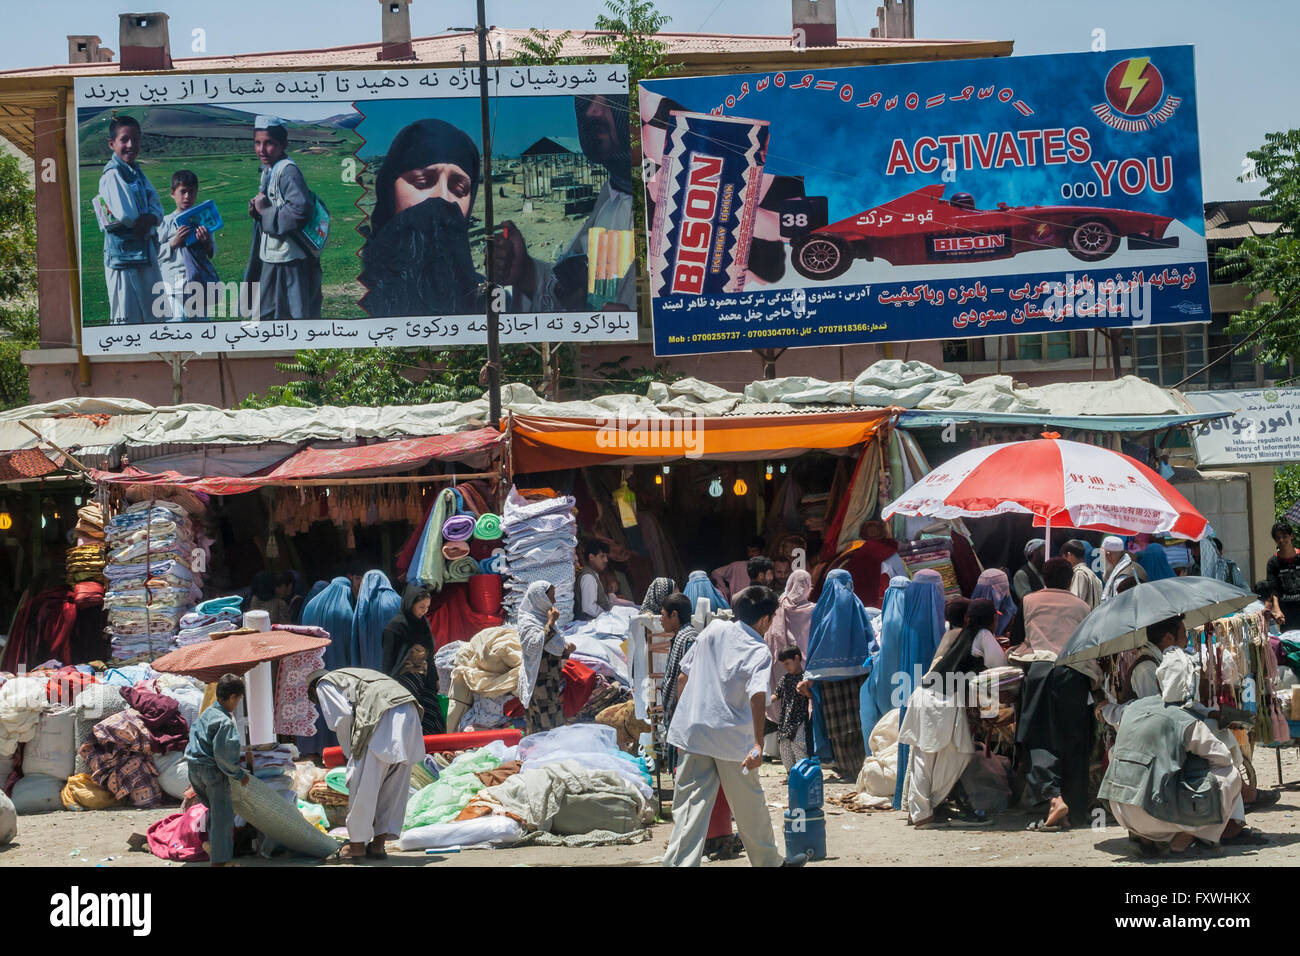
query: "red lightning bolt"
1133, 80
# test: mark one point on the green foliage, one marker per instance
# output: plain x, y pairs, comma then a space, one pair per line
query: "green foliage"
17, 231
1270, 265
628, 36
540, 48
1286, 489
618, 379
14, 387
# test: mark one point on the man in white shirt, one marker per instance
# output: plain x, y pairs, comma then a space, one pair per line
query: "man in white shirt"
1084, 585
593, 600
378, 724
1119, 568
718, 727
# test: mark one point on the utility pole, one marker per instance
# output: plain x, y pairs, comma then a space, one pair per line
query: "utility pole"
489, 227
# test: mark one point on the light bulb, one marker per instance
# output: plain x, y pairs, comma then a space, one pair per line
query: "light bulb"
659, 479
666, 469
767, 475
715, 488
740, 488
77, 501
783, 468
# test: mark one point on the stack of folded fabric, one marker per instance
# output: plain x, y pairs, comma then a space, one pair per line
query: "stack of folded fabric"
217, 616
90, 525
933, 554
274, 767
151, 584
85, 562
541, 541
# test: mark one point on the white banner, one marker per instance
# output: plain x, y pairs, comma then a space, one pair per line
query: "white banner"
1265, 429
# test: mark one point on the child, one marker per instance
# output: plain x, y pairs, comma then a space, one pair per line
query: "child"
183, 262
129, 211
213, 759
793, 726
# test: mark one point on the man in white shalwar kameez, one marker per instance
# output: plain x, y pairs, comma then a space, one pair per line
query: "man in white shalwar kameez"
1119, 566
936, 728
1133, 757
378, 724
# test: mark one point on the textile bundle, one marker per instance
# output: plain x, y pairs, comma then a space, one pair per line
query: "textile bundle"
488, 527
541, 539
117, 757
85, 562
151, 583
458, 528
486, 668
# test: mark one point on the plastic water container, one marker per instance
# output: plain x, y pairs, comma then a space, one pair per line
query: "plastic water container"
805, 785
805, 833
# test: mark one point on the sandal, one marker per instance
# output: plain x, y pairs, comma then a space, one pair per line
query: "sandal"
1248, 836
1042, 826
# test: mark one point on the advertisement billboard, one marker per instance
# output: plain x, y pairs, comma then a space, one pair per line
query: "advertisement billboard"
254, 212
924, 201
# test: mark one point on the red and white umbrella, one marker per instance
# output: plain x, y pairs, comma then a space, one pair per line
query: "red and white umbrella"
1061, 483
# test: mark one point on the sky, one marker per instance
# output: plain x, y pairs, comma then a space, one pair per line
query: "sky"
1247, 70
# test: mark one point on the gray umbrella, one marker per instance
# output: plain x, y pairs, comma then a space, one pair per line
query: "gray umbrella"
1121, 623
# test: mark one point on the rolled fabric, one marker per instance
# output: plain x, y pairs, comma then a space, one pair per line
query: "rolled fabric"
455, 549
458, 528
491, 565
462, 569
488, 527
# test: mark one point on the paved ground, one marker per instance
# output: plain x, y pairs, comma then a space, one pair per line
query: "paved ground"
853, 839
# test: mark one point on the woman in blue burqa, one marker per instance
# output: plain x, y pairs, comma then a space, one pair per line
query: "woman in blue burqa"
839, 643
333, 611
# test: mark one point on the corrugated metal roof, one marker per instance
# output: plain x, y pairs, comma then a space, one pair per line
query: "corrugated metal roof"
1096, 423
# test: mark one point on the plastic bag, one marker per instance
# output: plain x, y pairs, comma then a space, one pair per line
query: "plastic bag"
305, 776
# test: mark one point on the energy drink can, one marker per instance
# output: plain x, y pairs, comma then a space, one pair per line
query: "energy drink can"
705, 207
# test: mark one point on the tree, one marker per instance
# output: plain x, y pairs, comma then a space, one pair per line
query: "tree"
1286, 489
19, 323
1269, 266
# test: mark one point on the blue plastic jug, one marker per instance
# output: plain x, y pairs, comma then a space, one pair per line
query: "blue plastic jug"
805, 834
805, 785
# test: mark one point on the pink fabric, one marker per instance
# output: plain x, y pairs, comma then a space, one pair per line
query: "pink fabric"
180, 836
295, 715
789, 628
731, 578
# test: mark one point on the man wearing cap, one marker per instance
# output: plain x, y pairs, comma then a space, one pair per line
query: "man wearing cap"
1120, 568
378, 723
284, 264
1084, 585
1029, 578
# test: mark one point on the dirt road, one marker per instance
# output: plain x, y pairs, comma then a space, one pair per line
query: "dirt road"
93, 839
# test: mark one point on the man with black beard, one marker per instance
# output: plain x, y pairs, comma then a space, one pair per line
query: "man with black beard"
417, 259
562, 286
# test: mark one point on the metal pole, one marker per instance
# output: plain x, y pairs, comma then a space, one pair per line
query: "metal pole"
493, 317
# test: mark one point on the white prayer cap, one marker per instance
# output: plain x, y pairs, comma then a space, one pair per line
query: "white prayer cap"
1177, 676
1033, 544
1112, 543
266, 122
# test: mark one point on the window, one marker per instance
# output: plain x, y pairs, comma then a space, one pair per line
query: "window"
1167, 355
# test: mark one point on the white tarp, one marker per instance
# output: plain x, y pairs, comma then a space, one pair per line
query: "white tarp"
1264, 430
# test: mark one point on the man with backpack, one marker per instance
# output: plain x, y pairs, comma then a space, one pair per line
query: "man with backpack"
284, 261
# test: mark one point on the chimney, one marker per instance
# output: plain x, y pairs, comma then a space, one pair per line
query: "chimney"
895, 21
814, 23
86, 49
144, 42
396, 25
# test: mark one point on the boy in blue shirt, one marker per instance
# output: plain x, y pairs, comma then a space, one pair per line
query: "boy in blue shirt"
186, 266
213, 759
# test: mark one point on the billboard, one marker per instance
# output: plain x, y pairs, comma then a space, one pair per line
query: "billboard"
1264, 429
924, 201
252, 212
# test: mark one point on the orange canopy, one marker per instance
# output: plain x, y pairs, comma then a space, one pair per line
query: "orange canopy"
550, 444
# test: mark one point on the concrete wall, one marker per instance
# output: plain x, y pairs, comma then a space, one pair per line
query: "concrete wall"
1225, 500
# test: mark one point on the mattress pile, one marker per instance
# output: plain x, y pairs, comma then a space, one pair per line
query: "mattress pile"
541, 542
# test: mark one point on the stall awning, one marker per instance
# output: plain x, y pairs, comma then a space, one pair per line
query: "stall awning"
314, 463
1096, 423
550, 444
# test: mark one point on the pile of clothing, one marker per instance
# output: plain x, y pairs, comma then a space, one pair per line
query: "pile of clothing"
541, 541
484, 677
216, 616
274, 766
85, 562
151, 582
456, 540
90, 525
934, 554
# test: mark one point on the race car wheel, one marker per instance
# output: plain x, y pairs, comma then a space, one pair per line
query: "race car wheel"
821, 257
1093, 240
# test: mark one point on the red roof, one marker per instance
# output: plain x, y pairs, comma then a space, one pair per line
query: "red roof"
383, 458
453, 47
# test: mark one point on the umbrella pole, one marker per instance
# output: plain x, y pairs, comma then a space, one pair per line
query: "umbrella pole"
1047, 538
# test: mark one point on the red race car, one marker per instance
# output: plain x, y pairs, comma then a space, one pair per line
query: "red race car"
924, 227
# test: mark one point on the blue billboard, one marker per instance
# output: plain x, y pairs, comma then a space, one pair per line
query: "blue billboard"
924, 201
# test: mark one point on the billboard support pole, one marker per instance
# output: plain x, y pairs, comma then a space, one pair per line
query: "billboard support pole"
493, 366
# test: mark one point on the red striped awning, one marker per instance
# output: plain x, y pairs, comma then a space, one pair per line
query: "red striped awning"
404, 454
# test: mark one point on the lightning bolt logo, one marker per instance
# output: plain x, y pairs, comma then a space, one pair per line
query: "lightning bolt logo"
1133, 80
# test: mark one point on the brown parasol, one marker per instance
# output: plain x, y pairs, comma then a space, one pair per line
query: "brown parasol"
237, 654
